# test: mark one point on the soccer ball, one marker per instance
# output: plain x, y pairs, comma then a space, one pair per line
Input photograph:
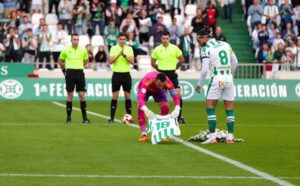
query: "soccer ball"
127, 119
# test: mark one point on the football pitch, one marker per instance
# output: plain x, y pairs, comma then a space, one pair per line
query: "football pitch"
38, 148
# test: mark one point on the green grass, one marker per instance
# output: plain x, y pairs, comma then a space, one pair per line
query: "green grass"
35, 140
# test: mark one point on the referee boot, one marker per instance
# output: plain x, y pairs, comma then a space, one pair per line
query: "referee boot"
111, 121
68, 120
181, 120
86, 121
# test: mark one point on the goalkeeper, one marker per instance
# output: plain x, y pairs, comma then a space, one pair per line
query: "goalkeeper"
155, 84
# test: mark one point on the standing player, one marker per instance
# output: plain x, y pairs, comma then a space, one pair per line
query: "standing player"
72, 60
120, 56
164, 59
155, 84
219, 59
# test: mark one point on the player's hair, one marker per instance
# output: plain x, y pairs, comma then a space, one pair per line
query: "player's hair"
74, 34
161, 77
204, 31
165, 33
122, 34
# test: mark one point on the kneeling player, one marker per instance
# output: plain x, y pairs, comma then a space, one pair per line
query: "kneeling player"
155, 84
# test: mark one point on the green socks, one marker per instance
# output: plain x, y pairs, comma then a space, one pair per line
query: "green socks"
230, 121
212, 120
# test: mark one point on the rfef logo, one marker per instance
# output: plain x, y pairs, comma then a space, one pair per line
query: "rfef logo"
187, 89
11, 89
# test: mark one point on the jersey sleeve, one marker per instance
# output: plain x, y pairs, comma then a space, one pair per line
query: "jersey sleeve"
130, 52
142, 90
154, 54
85, 55
234, 60
63, 55
112, 52
178, 52
172, 90
204, 53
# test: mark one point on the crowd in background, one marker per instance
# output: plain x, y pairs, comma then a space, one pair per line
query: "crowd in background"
274, 27
36, 31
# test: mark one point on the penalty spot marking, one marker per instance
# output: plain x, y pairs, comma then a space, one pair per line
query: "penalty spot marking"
200, 149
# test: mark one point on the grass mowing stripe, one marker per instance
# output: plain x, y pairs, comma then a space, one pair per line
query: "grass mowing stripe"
210, 153
130, 176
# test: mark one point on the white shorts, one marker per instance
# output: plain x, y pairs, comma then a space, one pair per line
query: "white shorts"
220, 89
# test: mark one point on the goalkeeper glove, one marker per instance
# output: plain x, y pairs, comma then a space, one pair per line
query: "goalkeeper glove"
150, 115
175, 112
64, 72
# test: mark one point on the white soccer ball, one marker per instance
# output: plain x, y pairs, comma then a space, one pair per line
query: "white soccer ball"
127, 119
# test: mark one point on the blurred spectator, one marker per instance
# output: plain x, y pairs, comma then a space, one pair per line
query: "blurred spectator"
228, 9
271, 14
91, 56
286, 12
29, 45
137, 10
263, 35
128, 25
12, 45
278, 56
272, 32
154, 10
2, 52
14, 20
288, 34
145, 25
269, 59
297, 17
2, 33
1, 10
176, 5
37, 6
254, 36
197, 21
175, 32
38, 29
44, 40
211, 15
124, 5
9, 6
101, 58
263, 53
218, 34
187, 46
25, 5
277, 40
79, 17
59, 42
297, 55
134, 43
287, 60
55, 3
65, 14
111, 32
97, 18
256, 12
24, 26
157, 30
114, 12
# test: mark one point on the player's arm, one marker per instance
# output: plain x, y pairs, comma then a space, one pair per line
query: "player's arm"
61, 61
180, 62
129, 57
175, 97
180, 57
154, 59
234, 62
85, 57
141, 101
204, 70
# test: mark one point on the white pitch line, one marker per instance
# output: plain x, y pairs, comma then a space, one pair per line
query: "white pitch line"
210, 153
129, 176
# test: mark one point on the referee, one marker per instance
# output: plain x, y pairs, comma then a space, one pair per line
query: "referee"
164, 59
72, 60
120, 56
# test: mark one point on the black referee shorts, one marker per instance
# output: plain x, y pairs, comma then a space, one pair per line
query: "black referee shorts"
74, 78
172, 76
121, 79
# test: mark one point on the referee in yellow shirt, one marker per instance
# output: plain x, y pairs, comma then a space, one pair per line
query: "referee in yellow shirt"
72, 60
120, 56
164, 58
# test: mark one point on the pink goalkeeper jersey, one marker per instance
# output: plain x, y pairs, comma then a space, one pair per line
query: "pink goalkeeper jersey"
147, 86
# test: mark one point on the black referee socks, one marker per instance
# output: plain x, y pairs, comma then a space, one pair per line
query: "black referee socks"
69, 108
113, 108
83, 109
128, 106
180, 112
